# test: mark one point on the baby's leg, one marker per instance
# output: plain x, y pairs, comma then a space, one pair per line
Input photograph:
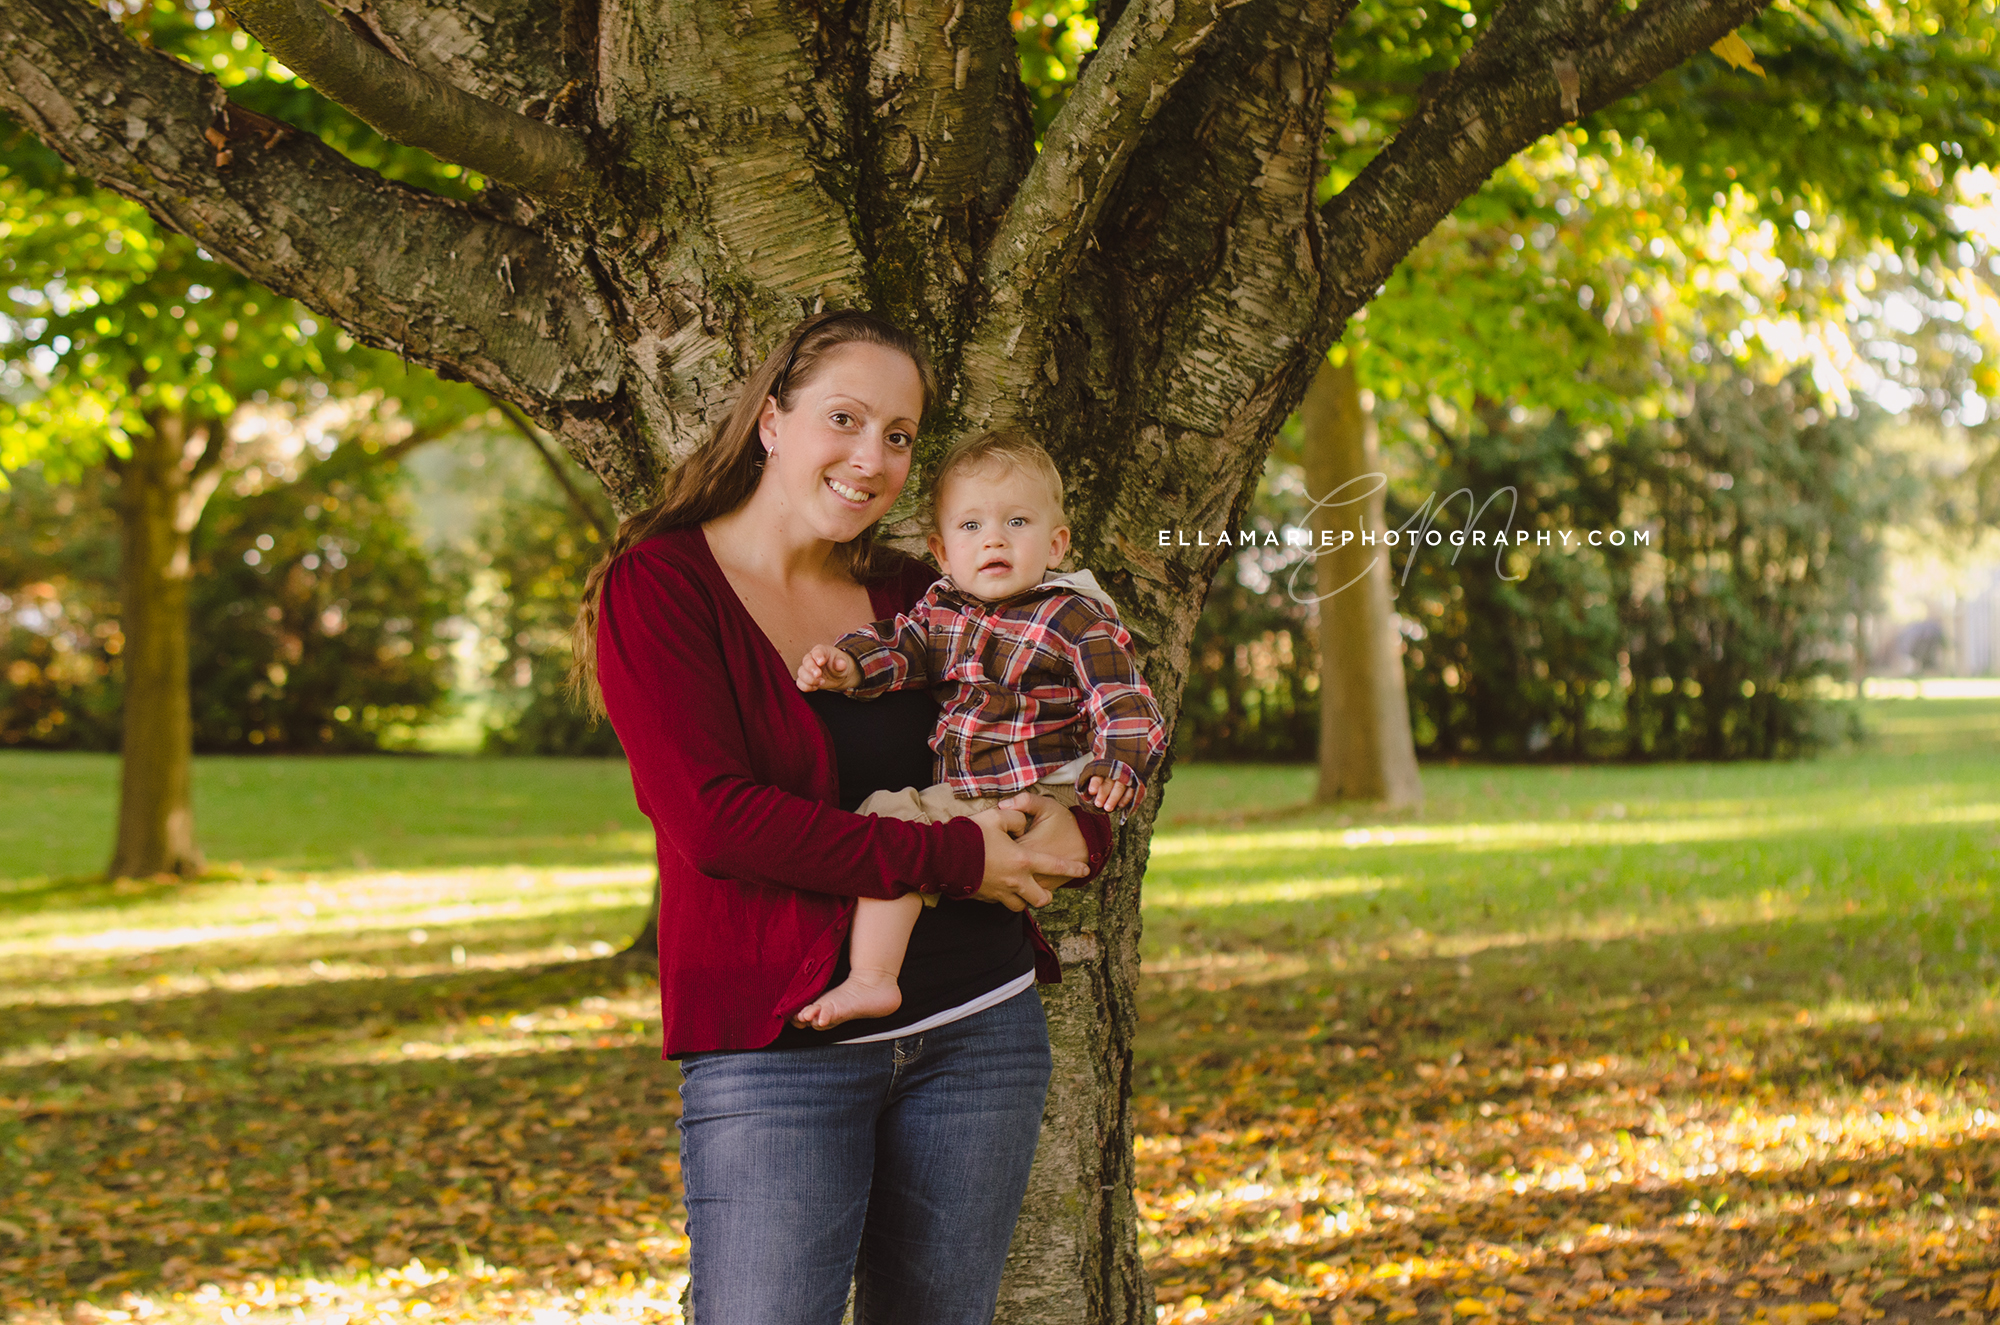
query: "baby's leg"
875, 951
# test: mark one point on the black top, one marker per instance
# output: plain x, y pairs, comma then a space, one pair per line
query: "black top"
960, 949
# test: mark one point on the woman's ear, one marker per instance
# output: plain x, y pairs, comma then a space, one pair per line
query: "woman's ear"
767, 425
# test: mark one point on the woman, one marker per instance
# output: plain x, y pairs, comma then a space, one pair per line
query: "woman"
893, 1151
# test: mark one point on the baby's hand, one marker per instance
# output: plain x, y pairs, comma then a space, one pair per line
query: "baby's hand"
828, 668
1114, 793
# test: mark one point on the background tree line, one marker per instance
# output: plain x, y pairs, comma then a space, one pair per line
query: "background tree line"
1721, 392
1491, 366
327, 625
326, 621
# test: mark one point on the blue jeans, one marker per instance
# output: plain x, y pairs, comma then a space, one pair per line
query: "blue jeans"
899, 1165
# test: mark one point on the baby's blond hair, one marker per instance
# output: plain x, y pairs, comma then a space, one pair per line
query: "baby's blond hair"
999, 446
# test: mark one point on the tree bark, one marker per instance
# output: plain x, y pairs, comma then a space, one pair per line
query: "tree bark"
1150, 294
162, 488
1365, 749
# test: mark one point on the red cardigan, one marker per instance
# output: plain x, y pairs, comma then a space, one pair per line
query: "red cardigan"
758, 864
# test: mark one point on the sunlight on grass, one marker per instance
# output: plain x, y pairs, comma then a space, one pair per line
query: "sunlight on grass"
1681, 1044
1303, 889
473, 1291
1212, 846
352, 905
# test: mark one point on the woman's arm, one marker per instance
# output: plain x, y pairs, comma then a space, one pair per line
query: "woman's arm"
678, 712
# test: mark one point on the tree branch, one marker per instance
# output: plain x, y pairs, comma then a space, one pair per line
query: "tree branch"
948, 139
1540, 66
511, 52
424, 436
934, 73
1085, 150
297, 217
214, 441
1220, 218
723, 112
542, 449
735, 127
406, 105
1083, 155
1182, 337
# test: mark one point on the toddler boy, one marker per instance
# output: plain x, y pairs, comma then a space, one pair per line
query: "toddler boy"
1042, 690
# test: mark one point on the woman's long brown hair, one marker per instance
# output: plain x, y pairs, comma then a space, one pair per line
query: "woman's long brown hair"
720, 477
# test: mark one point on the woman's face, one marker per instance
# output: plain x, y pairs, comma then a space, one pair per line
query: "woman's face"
840, 455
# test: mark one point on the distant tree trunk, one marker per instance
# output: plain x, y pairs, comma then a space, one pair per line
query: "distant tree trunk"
646, 943
162, 489
1365, 749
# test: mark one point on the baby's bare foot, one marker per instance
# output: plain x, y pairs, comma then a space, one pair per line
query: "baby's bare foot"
861, 994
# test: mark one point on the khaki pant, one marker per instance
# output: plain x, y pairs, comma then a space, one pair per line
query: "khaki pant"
936, 804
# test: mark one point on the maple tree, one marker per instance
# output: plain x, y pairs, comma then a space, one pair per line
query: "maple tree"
127, 347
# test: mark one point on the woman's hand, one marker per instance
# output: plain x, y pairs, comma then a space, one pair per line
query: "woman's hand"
1052, 830
1015, 870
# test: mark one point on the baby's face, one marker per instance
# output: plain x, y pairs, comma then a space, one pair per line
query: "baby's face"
998, 531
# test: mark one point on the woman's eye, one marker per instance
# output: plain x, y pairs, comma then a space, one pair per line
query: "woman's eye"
841, 419
902, 441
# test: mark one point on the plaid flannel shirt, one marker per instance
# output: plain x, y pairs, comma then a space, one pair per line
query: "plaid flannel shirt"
1033, 682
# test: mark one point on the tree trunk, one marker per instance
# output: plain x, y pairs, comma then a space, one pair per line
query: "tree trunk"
162, 489
1148, 290
646, 943
1075, 1258
1365, 749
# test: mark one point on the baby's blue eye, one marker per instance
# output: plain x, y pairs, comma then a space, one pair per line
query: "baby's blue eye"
1018, 521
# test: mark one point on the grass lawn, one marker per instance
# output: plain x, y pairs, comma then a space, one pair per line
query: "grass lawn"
1674, 1043
344, 813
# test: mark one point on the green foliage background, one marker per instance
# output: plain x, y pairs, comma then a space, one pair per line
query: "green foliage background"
329, 642
536, 549
330, 639
1714, 641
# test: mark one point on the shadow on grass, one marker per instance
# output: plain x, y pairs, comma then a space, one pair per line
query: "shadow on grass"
161, 1174
1844, 984
309, 1009
1623, 1248
1390, 1135
560, 1159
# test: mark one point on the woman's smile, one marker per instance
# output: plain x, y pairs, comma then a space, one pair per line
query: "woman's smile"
858, 496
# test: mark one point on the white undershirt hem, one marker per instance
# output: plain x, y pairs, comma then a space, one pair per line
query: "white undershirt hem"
992, 998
